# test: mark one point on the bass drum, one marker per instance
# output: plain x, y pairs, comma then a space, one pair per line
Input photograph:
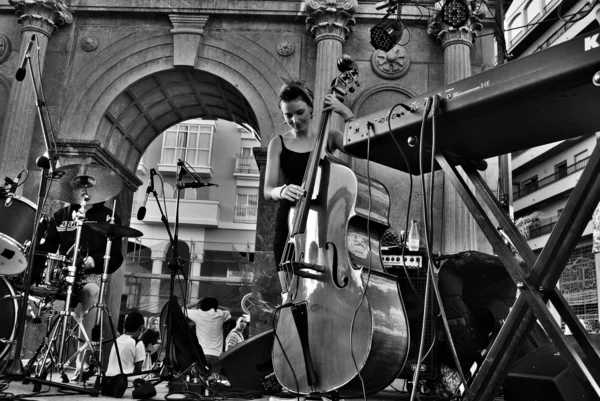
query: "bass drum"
8, 311
18, 217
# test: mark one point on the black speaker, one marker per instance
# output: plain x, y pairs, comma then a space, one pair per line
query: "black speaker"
248, 364
413, 304
544, 375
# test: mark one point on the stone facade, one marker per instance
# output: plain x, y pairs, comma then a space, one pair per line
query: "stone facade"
117, 75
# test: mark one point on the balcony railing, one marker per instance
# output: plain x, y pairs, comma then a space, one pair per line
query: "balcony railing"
545, 226
544, 182
245, 214
246, 165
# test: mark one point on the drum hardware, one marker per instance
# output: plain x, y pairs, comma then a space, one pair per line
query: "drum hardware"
64, 315
111, 230
47, 356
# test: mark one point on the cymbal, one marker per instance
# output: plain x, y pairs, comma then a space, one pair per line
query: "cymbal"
99, 182
114, 230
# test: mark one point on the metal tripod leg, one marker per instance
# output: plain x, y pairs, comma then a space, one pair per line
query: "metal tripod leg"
48, 355
100, 306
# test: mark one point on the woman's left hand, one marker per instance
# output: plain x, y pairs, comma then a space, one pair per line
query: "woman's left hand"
333, 103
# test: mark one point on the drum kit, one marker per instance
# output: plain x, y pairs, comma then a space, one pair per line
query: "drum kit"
76, 184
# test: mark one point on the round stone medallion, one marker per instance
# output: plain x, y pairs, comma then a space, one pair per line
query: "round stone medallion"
4, 47
392, 64
89, 43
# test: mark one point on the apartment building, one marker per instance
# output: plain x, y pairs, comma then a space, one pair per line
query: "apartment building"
544, 177
216, 226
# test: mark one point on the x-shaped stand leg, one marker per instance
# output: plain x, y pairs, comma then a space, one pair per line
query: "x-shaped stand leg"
540, 285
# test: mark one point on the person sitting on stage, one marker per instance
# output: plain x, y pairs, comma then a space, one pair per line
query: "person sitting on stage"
131, 351
151, 339
60, 237
236, 335
209, 321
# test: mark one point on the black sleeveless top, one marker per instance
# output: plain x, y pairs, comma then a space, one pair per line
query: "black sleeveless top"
293, 165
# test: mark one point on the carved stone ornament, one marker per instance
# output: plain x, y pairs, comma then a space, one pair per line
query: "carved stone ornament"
285, 48
51, 13
330, 17
392, 64
4, 47
89, 43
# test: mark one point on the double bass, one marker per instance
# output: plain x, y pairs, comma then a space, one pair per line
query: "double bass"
343, 322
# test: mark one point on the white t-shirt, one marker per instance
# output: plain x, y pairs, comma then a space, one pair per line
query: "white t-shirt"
209, 329
130, 353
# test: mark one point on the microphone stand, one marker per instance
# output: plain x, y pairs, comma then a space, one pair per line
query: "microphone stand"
47, 163
166, 373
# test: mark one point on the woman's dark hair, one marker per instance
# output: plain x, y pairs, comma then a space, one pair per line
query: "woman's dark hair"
133, 321
209, 303
294, 90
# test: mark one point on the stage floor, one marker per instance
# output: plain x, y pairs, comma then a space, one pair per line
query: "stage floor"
25, 392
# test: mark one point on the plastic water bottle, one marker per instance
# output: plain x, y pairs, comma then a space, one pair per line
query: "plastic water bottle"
413, 236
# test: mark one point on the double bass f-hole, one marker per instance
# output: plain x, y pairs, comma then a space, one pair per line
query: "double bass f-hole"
335, 267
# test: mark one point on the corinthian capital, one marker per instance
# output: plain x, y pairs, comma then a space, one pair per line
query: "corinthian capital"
330, 18
45, 15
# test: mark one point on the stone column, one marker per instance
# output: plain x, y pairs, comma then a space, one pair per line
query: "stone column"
40, 18
265, 284
330, 22
158, 259
460, 231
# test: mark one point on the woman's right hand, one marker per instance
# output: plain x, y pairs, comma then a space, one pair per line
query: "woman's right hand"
292, 192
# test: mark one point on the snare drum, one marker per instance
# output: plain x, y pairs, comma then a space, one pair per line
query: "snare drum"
54, 276
8, 311
16, 231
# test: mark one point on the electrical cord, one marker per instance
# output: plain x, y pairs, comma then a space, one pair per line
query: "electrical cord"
405, 269
430, 258
273, 317
364, 295
426, 110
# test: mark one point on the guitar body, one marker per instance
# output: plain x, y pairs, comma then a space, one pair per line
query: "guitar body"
343, 345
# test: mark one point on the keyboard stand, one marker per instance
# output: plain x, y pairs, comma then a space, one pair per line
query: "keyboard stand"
537, 287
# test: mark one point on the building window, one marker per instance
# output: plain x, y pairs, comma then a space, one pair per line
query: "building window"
561, 170
245, 162
532, 10
581, 156
515, 28
530, 185
189, 142
246, 207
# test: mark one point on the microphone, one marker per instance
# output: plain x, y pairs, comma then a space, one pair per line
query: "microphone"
11, 188
195, 184
20, 75
142, 212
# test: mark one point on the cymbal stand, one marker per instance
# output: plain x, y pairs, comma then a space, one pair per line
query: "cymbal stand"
100, 306
59, 359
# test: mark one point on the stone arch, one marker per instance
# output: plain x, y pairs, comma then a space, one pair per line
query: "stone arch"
245, 65
380, 97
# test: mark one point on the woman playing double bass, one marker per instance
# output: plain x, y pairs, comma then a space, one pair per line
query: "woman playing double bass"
289, 152
342, 327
